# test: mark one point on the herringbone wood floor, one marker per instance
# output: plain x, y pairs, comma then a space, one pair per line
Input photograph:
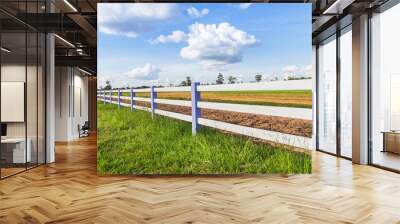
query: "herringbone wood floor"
70, 191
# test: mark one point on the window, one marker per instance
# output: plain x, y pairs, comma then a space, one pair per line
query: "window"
327, 95
385, 89
346, 93
22, 87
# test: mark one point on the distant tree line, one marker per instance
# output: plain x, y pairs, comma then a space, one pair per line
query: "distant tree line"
297, 78
186, 82
220, 80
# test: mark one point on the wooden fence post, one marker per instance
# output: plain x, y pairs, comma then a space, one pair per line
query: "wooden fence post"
153, 96
104, 97
132, 101
119, 98
196, 111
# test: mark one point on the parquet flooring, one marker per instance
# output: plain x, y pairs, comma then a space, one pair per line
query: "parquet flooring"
69, 191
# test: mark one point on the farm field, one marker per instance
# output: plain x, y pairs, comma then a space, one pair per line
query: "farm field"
285, 125
284, 98
133, 143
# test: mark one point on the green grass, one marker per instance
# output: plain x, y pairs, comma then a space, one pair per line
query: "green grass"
134, 143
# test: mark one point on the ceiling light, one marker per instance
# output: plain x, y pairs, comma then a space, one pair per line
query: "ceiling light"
64, 40
338, 6
86, 72
5, 50
70, 5
79, 51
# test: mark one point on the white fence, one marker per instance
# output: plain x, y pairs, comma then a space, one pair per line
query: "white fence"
196, 104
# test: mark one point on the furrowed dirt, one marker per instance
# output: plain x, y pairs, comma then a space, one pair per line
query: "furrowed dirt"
285, 125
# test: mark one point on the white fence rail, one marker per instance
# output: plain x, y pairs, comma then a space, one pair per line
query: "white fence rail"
290, 112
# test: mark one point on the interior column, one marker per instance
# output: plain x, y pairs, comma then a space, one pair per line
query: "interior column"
50, 92
360, 90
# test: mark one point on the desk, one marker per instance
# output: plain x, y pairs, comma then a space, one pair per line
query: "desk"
391, 141
13, 150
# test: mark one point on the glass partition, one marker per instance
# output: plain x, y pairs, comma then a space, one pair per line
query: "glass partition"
385, 89
22, 101
346, 92
327, 95
14, 154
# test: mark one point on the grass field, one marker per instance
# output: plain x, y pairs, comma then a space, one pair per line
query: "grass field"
133, 143
285, 98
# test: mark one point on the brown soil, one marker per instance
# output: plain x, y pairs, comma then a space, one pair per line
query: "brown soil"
138, 103
292, 126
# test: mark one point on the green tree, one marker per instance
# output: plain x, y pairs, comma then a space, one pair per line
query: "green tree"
220, 78
231, 79
187, 82
258, 77
107, 86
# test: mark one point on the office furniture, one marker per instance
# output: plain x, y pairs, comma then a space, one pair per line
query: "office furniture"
391, 141
84, 130
13, 150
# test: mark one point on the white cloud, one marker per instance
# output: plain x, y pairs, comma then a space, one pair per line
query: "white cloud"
307, 70
102, 79
215, 46
176, 37
115, 80
195, 13
147, 72
132, 19
245, 5
290, 69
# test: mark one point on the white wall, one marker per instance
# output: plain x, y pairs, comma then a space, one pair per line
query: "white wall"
13, 101
62, 82
33, 126
17, 73
80, 108
12, 73
71, 102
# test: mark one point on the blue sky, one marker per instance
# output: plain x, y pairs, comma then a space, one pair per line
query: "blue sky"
144, 44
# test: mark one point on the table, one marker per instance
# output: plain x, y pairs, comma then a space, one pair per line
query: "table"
13, 150
391, 141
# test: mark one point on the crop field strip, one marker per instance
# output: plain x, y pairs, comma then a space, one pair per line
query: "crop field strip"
133, 143
284, 98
